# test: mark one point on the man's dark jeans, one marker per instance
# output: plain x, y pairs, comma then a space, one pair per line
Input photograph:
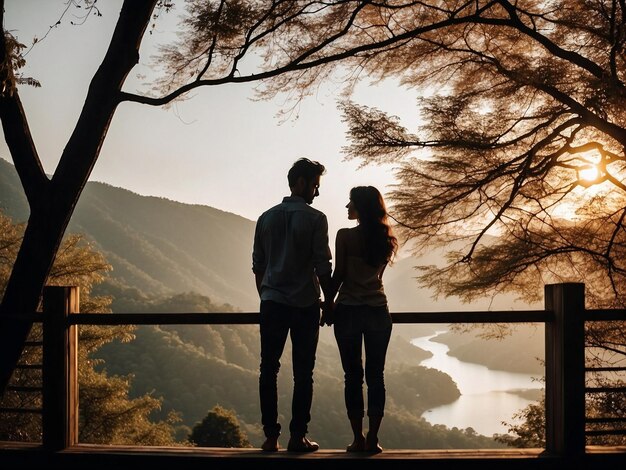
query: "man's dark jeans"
277, 320
354, 326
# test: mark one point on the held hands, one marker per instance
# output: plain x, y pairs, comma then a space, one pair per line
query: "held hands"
327, 313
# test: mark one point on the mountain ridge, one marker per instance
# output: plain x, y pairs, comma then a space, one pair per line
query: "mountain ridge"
157, 245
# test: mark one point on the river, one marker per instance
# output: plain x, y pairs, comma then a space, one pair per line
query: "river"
487, 396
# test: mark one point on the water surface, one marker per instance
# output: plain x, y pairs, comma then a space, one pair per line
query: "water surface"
487, 396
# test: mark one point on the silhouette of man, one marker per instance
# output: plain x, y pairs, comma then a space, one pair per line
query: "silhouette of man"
291, 261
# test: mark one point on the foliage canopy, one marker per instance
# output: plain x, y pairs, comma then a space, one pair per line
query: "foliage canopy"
516, 166
219, 428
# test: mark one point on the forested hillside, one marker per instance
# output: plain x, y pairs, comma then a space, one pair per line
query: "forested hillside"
156, 245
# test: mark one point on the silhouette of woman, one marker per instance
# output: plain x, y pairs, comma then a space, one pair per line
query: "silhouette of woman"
361, 314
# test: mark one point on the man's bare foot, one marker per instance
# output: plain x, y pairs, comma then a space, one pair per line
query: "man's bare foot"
270, 444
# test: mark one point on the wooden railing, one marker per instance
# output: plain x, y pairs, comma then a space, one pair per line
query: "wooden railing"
564, 318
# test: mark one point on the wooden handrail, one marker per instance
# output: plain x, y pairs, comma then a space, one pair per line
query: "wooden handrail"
564, 317
241, 318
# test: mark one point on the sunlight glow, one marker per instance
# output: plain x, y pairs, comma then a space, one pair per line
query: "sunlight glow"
589, 173
590, 183
484, 108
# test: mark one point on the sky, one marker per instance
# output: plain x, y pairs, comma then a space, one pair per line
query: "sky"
219, 148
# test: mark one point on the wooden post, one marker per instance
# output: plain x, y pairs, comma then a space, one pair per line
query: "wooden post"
565, 369
60, 368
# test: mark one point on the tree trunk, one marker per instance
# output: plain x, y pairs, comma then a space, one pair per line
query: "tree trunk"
52, 209
41, 241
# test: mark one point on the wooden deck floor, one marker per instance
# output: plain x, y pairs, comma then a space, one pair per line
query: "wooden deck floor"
29, 456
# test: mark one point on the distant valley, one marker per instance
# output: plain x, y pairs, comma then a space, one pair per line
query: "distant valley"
156, 245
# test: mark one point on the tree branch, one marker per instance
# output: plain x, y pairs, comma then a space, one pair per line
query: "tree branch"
300, 63
554, 49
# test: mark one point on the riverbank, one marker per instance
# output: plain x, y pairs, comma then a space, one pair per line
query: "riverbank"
489, 398
521, 352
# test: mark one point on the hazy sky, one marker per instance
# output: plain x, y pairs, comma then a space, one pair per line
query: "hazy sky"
218, 148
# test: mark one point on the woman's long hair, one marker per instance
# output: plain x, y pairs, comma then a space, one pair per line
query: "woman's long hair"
380, 243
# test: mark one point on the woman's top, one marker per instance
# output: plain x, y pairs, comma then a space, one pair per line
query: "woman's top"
361, 283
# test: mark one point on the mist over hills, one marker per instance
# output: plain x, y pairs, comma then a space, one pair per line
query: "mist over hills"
405, 295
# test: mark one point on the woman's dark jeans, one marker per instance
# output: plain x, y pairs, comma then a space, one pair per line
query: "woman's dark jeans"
356, 325
277, 320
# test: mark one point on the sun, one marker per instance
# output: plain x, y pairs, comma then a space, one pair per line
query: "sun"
589, 169
589, 183
589, 173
